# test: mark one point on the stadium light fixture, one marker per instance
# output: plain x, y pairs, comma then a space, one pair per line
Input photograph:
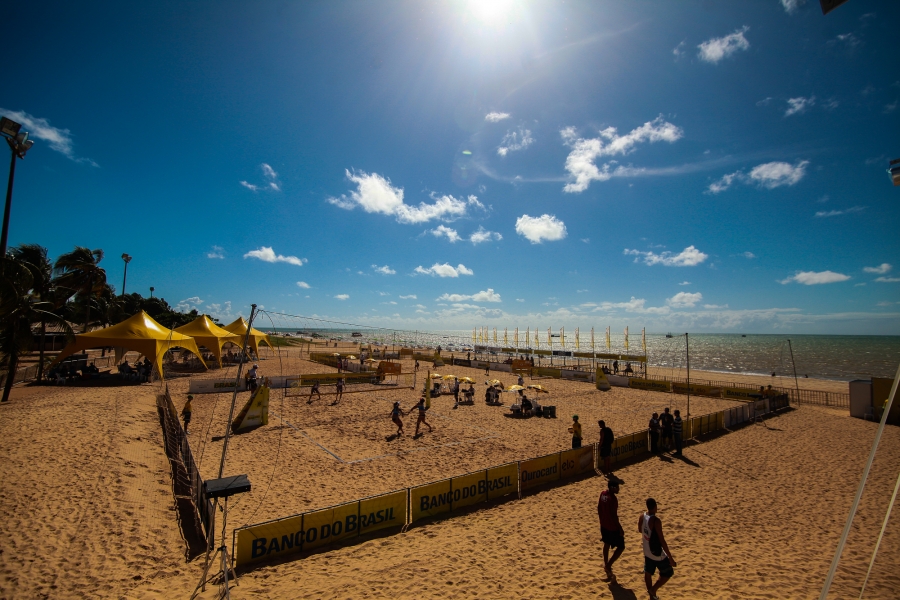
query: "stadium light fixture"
19, 144
894, 171
127, 260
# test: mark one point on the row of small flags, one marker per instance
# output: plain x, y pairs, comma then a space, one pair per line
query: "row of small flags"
482, 335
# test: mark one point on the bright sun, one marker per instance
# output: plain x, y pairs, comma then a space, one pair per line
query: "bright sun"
491, 12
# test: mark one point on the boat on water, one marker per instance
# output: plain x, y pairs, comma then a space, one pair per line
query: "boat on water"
669, 335
356, 334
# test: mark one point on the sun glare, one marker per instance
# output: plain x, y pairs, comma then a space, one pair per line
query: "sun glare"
491, 12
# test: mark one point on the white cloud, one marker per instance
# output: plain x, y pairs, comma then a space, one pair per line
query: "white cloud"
515, 140
887, 279
385, 270
267, 254
848, 39
268, 171
889, 108
684, 300
487, 295
303, 284
689, 257
685, 283
679, 49
444, 270
520, 299
715, 306
410, 297
580, 161
221, 311
342, 297
189, 304
715, 49
791, 6
442, 230
799, 105
269, 175
483, 235
40, 129
880, 269
814, 278
216, 252
536, 229
837, 213
250, 186
723, 184
764, 101
494, 117
748, 255
635, 305
775, 174
375, 194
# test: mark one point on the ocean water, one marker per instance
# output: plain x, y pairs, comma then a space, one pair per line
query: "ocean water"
837, 357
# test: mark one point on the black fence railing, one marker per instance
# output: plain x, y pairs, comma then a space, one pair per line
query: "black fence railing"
818, 397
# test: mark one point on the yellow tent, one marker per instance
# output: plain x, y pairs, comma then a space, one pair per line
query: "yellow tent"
139, 333
206, 333
256, 336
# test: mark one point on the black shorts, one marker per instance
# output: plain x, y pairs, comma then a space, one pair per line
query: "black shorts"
605, 451
616, 539
664, 566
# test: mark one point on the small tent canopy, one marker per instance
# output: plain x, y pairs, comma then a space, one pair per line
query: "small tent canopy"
139, 333
206, 333
256, 336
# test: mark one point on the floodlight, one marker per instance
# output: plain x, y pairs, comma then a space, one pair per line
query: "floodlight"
22, 137
8, 127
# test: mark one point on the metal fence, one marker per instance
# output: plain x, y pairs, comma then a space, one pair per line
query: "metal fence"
30, 373
186, 476
835, 399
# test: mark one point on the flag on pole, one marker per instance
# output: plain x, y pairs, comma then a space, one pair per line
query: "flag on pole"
577, 344
505, 338
537, 338
562, 338
592, 339
527, 337
626, 337
644, 339
495, 336
608, 345
516, 338
549, 338
474, 336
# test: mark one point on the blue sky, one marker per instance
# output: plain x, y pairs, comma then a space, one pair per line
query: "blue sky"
684, 166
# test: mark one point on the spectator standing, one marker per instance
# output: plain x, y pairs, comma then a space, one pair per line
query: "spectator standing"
666, 421
656, 551
456, 393
654, 433
252, 376
611, 531
677, 429
615, 367
606, 440
186, 412
521, 380
575, 430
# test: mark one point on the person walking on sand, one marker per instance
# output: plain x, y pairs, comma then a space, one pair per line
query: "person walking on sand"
677, 429
666, 422
186, 412
396, 413
416, 368
338, 391
611, 531
606, 440
656, 551
422, 409
575, 430
314, 390
487, 369
456, 393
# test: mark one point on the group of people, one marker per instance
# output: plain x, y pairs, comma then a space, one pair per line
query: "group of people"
605, 443
666, 432
657, 554
397, 413
62, 374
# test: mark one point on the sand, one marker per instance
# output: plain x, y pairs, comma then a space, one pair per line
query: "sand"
88, 509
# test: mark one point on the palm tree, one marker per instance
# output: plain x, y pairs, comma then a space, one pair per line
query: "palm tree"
79, 272
19, 310
34, 258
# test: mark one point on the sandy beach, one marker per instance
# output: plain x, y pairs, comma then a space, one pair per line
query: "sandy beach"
88, 508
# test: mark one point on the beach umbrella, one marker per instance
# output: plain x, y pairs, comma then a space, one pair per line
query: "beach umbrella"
336, 354
539, 388
467, 380
435, 375
449, 376
493, 382
351, 357
514, 388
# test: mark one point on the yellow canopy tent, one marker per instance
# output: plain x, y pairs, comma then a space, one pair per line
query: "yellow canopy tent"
139, 333
256, 336
206, 333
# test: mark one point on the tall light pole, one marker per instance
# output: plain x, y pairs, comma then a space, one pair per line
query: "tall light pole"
127, 260
151, 290
19, 144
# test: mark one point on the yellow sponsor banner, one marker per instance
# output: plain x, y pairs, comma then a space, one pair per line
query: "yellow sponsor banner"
469, 489
268, 540
629, 446
697, 389
330, 525
576, 461
429, 500
625, 357
379, 512
538, 471
502, 480
546, 372
601, 380
654, 385
741, 394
